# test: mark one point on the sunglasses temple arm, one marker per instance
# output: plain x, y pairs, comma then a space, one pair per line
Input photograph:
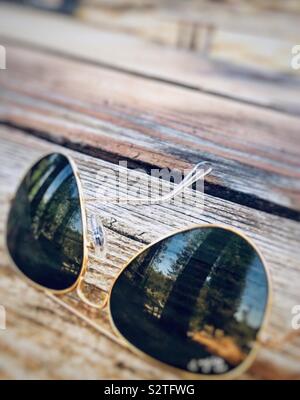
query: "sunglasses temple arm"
98, 233
198, 172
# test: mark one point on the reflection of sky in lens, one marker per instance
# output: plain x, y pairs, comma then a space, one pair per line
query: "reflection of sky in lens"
175, 246
254, 306
57, 182
169, 257
40, 182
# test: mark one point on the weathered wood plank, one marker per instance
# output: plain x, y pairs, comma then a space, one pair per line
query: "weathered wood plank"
287, 7
35, 322
116, 115
254, 18
241, 35
138, 56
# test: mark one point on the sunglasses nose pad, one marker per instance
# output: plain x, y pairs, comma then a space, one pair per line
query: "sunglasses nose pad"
98, 236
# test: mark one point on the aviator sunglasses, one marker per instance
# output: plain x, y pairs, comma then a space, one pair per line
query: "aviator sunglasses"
195, 300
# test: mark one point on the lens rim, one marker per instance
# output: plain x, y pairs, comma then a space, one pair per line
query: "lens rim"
84, 229
186, 374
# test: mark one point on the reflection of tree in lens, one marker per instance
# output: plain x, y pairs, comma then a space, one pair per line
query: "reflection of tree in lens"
54, 201
193, 296
46, 218
191, 278
222, 293
214, 322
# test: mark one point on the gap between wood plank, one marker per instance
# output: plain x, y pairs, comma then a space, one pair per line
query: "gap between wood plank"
151, 77
218, 191
97, 113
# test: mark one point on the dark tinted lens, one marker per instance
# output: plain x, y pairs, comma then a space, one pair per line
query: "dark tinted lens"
195, 300
45, 229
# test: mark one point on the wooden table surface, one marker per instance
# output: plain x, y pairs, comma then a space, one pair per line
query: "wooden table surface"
103, 96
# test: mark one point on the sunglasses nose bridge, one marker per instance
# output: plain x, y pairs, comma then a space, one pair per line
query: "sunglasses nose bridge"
99, 306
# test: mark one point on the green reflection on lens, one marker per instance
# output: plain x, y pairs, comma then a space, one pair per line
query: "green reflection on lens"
194, 300
45, 229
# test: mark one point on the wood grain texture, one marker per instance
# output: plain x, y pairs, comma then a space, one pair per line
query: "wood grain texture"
113, 115
43, 340
137, 56
154, 107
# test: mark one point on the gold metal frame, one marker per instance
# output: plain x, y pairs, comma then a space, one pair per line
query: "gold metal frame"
190, 375
106, 304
